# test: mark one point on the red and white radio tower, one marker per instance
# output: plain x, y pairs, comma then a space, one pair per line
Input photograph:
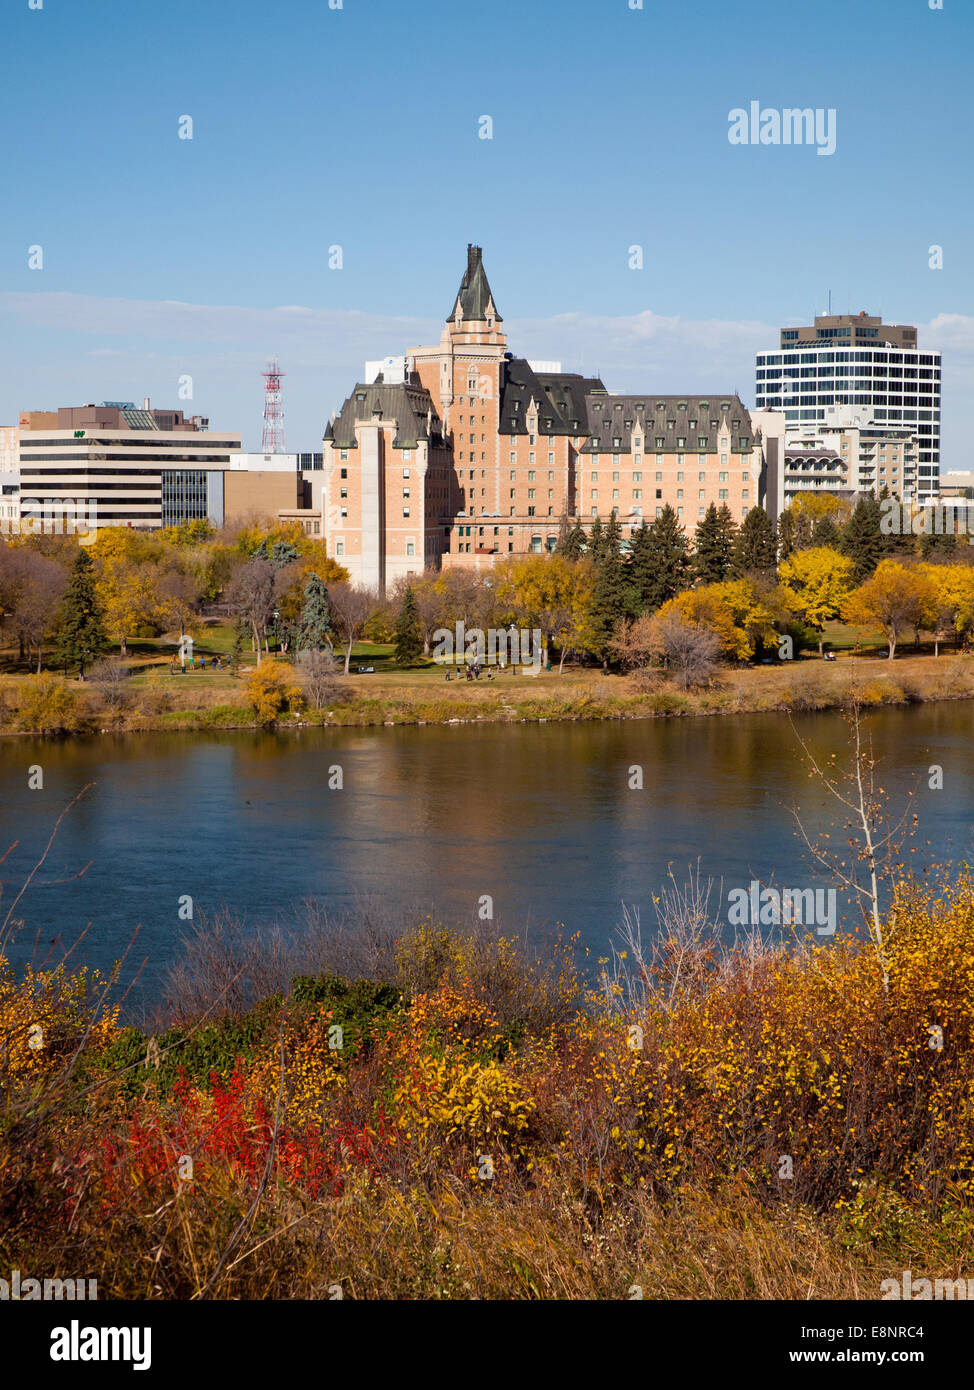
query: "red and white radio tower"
272, 440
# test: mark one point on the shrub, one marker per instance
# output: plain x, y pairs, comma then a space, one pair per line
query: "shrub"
271, 688
47, 705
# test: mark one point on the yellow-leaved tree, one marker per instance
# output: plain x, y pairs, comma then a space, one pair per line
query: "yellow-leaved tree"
741, 614
893, 598
815, 583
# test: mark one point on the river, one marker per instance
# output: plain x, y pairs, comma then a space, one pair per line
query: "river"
540, 817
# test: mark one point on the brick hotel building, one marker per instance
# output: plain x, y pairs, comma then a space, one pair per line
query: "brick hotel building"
468, 454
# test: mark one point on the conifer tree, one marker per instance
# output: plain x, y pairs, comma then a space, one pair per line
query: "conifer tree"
314, 624
571, 539
755, 546
409, 638
596, 540
862, 539
80, 626
786, 534
713, 545
660, 565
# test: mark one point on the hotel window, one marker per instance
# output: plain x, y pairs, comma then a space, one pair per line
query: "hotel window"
680, 459
339, 547
702, 459
551, 477
637, 477
594, 493
660, 441
343, 511
615, 477
638, 460
512, 492
343, 455
530, 438
615, 460
551, 457
659, 477
595, 511
407, 454
530, 458
722, 494
551, 493
723, 460
681, 443
531, 492
637, 494
410, 547
405, 472
513, 457
530, 511
530, 475
659, 492
679, 477
722, 477
405, 492
344, 492
659, 460
513, 475
679, 511
615, 494
344, 473
745, 493
679, 493
702, 442
595, 477
702, 494
659, 511
701, 477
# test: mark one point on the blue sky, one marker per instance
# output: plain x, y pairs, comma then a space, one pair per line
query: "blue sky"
359, 127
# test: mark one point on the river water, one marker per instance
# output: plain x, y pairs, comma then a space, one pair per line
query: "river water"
540, 817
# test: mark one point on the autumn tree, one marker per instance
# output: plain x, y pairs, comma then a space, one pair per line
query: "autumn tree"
893, 598
351, 609
815, 584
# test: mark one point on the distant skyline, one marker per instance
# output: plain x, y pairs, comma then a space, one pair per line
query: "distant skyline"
358, 127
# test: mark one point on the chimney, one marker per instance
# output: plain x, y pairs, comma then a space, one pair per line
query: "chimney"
145, 403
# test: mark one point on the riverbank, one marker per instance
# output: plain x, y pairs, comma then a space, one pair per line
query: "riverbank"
160, 702
474, 1122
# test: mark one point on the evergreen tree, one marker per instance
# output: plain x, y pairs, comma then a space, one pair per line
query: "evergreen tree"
314, 625
755, 546
281, 553
862, 540
802, 530
409, 638
786, 534
80, 626
596, 540
826, 533
660, 566
713, 545
571, 539
611, 597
